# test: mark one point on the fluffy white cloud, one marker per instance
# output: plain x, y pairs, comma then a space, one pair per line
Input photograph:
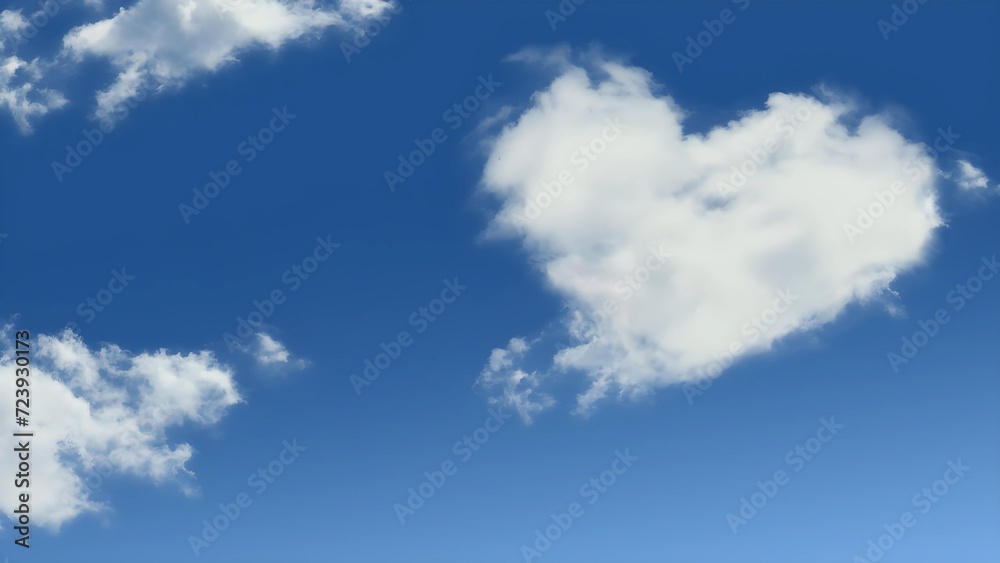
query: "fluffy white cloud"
164, 42
95, 411
516, 388
970, 177
675, 248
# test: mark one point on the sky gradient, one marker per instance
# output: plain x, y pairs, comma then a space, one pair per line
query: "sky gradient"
343, 266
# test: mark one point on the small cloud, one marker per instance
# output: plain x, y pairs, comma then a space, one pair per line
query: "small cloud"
502, 358
271, 353
970, 177
517, 388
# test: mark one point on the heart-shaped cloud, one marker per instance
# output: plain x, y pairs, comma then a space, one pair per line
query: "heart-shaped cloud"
680, 252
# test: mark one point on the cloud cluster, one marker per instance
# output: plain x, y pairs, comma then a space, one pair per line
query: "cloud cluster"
106, 407
673, 248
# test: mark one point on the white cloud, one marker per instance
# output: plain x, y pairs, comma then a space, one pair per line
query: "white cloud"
166, 42
269, 350
106, 408
272, 353
502, 358
19, 78
667, 252
12, 23
515, 387
970, 177
20, 95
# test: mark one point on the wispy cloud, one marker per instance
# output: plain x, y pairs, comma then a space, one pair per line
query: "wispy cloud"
970, 177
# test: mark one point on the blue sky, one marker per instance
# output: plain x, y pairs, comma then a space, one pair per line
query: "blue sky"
148, 421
